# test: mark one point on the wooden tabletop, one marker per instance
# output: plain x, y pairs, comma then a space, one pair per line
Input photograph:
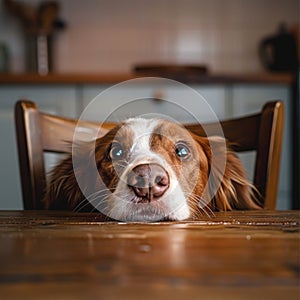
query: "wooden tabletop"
236, 255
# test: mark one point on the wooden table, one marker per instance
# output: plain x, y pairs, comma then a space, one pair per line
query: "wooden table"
236, 255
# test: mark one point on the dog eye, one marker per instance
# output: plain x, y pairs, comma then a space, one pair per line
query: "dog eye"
116, 151
182, 151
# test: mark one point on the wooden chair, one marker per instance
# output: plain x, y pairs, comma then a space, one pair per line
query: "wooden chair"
38, 132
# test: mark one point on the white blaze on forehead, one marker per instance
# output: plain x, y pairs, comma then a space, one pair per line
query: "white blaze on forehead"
142, 130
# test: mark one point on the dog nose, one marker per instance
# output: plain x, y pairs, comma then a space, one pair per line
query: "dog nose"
149, 181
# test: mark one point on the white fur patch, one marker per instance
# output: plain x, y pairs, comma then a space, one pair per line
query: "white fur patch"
142, 129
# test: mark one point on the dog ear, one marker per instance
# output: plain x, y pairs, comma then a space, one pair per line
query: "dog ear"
63, 191
61, 186
227, 184
74, 183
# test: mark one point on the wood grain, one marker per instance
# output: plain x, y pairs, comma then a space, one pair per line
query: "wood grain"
65, 255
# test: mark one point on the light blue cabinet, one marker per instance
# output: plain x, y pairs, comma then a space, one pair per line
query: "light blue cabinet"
181, 103
52, 99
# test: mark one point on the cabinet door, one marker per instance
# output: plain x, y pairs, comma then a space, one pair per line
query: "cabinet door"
180, 103
49, 98
10, 187
202, 103
106, 103
248, 99
58, 100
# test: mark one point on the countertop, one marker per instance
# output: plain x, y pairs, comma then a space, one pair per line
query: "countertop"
112, 78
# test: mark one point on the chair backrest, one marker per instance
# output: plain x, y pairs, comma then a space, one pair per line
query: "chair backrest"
38, 133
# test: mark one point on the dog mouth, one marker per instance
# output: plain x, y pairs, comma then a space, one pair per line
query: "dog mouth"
141, 200
148, 212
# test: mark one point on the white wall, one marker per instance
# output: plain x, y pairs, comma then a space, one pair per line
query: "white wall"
112, 35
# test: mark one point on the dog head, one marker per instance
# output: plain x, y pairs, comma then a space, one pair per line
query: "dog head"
152, 169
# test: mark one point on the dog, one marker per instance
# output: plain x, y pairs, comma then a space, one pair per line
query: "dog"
151, 170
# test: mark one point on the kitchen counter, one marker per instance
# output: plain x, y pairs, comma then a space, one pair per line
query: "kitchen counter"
112, 78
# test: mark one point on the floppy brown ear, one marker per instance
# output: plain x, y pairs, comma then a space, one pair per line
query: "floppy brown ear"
227, 186
62, 187
63, 192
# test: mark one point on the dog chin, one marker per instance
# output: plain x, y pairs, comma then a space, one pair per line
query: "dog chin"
161, 210
148, 215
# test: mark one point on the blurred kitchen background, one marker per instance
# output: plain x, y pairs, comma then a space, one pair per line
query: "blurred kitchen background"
91, 45
112, 36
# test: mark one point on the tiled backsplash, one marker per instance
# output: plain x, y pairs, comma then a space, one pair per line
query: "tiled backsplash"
113, 35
